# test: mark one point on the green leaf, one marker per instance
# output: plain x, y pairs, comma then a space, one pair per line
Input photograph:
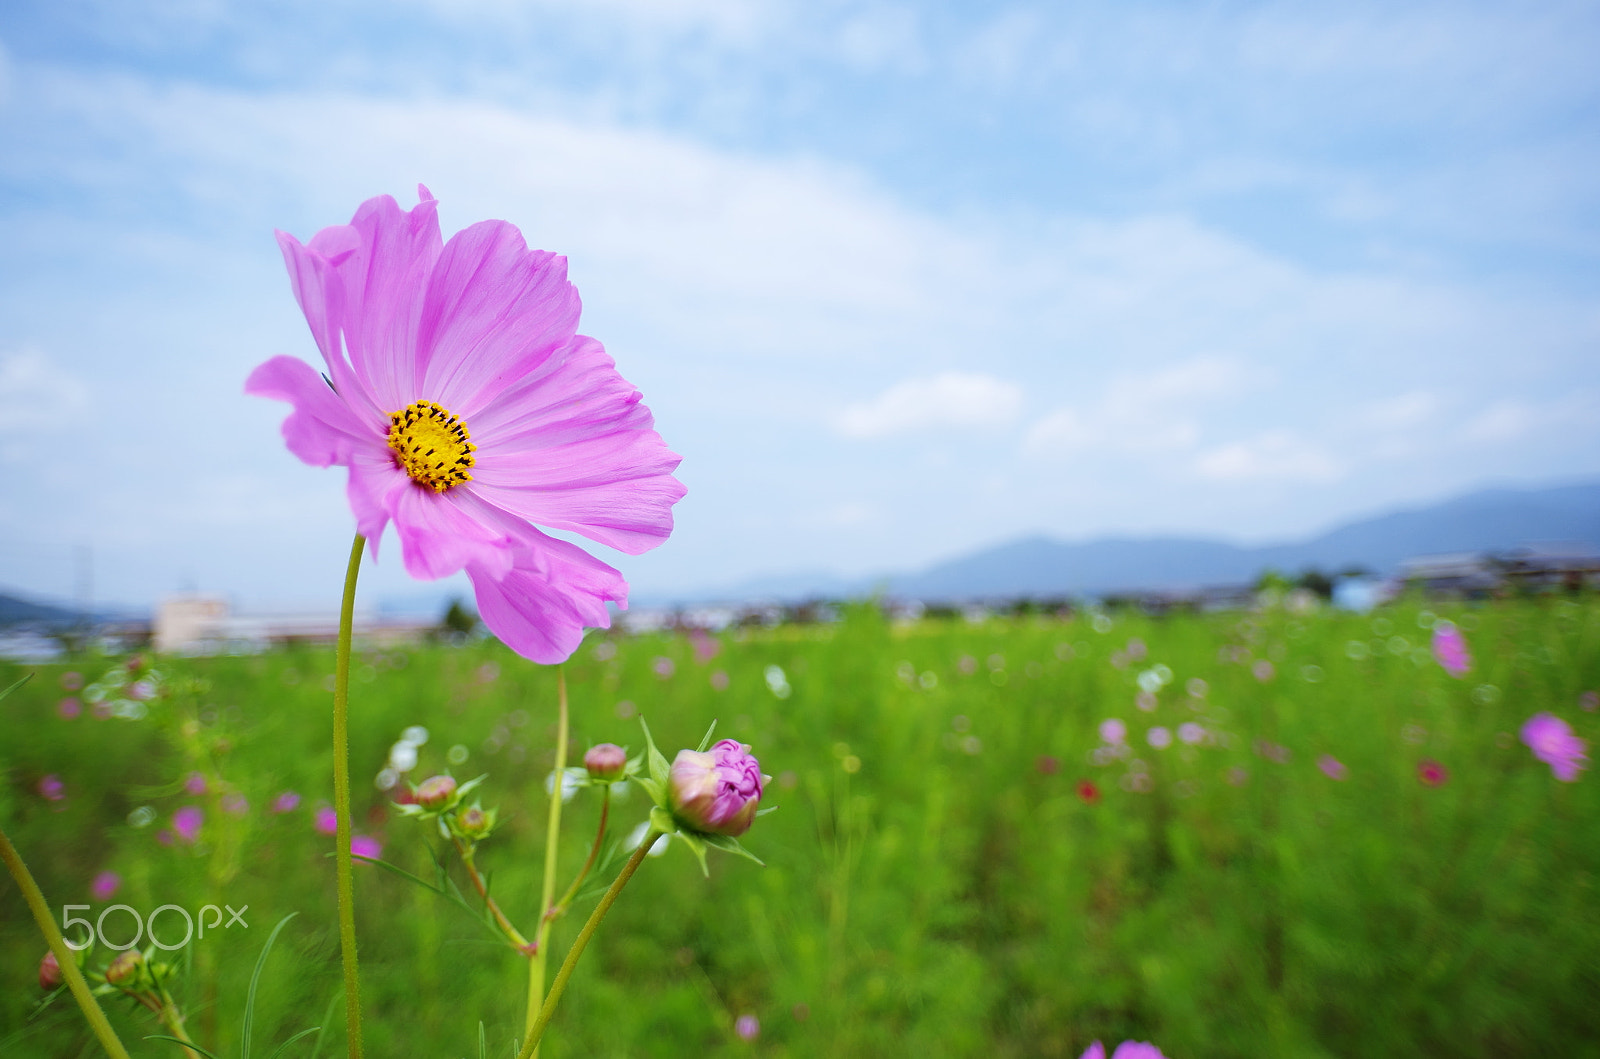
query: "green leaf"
255, 980
729, 844
303, 1033
659, 769
327, 1017
705, 740
697, 846
25, 678
483, 1043
181, 1044
470, 785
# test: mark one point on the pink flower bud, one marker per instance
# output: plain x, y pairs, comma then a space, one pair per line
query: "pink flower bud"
606, 762
435, 791
472, 822
716, 791
49, 972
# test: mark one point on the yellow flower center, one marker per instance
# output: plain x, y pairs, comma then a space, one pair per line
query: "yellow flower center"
432, 445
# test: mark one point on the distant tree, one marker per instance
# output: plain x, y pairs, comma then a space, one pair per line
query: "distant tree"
458, 620
1314, 580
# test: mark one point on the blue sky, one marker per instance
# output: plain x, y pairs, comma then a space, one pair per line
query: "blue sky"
898, 280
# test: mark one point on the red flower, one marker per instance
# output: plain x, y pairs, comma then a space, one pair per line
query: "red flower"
1088, 791
1432, 773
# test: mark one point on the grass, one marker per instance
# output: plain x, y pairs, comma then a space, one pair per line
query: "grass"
937, 885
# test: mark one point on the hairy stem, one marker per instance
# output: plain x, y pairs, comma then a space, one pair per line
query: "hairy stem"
552, 839
341, 802
58, 945
483, 891
173, 1020
559, 986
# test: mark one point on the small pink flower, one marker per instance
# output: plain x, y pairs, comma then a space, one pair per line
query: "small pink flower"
1551, 740
1088, 792
235, 805
705, 648
1450, 649
663, 667
287, 802
164, 836
104, 885
1331, 766
71, 680
326, 821
366, 846
1125, 1050
1432, 773
141, 691
606, 762
186, 822
1191, 733
1262, 671
51, 789
748, 1027
69, 708
195, 784
1113, 732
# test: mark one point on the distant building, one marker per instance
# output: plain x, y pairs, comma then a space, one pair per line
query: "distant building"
198, 625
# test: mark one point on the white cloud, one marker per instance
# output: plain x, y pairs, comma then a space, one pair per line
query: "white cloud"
1277, 455
1154, 411
36, 395
949, 400
1405, 411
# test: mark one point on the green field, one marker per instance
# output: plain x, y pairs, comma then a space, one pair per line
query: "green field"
937, 881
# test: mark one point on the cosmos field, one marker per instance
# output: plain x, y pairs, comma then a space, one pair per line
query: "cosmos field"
1305, 837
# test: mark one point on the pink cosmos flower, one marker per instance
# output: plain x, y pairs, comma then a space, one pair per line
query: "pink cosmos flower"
1331, 767
1432, 773
235, 804
748, 1027
51, 789
186, 822
326, 821
1113, 731
467, 408
195, 784
366, 846
69, 708
287, 802
1551, 740
1450, 649
1125, 1050
716, 791
105, 885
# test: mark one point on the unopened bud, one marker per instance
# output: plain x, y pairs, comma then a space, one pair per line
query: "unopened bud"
473, 822
606, 762
49, 972
435, 792
125, 968
716, 791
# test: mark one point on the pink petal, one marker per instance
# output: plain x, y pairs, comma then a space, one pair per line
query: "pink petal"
321, 298
553, 591
1094, 1051
381, 282
441, 533
323, 429
494, 310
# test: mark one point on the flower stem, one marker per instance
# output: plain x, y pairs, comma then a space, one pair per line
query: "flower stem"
483, 891
594, 851
571, 962
58, 945
552, 839
174, 1022
341, 802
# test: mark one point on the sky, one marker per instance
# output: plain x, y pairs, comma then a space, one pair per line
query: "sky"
898, 281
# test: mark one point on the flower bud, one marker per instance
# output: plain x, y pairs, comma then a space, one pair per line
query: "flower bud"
435, 792
606, 762
124, 970
716, 791
49, 972
472, 822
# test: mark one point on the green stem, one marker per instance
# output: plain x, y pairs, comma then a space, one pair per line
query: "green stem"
173, 1020
594, 851
568, 965
483, 891
552, 839
58, 945
341, 802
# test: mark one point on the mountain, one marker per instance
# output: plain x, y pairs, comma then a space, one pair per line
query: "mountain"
1490, 520
17, 611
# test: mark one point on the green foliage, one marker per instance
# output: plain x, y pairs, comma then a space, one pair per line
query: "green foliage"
936, 885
